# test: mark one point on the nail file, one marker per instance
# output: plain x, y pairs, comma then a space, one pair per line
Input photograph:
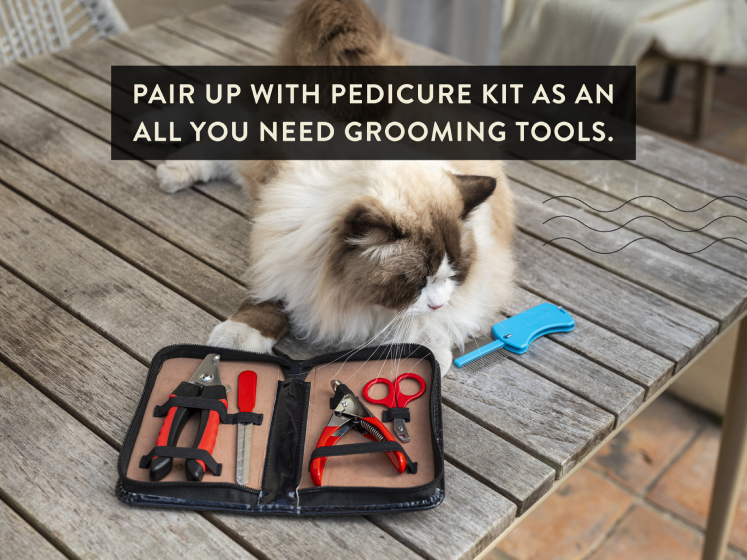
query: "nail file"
516, 333
246, 399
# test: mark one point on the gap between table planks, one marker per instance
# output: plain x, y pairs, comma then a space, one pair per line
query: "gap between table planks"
20, 540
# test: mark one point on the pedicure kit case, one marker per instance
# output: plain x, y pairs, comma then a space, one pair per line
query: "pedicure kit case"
294, 402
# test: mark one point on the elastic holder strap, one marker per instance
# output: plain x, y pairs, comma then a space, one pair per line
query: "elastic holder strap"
244, 418
340, 391
393, 413
182, 453
209, 404
361, 449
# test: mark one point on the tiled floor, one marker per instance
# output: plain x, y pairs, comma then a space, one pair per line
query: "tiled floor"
644, 496
726, 133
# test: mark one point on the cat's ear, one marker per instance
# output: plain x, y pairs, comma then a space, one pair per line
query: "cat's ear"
369, 221
475, 189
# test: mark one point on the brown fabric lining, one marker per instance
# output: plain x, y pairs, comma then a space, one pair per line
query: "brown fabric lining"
357, 470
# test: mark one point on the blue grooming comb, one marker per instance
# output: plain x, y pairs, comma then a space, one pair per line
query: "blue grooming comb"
518, 332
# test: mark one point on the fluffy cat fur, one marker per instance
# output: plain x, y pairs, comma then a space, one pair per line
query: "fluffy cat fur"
364, 252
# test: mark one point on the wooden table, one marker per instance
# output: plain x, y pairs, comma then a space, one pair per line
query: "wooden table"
99, 269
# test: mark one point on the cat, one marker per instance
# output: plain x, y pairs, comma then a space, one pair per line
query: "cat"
353, 253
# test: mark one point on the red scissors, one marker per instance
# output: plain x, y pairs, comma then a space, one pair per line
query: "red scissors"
395, 398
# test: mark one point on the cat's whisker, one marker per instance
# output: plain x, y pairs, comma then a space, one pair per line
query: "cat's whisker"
396, 318
350, 353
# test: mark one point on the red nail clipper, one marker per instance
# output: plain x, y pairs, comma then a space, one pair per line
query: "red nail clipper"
205, 384
351, 414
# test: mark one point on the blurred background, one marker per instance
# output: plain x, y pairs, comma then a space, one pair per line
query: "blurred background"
646, 494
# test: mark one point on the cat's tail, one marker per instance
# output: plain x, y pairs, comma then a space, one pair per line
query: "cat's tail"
337, 33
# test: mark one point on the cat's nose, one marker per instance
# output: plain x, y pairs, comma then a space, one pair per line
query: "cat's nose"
434, 307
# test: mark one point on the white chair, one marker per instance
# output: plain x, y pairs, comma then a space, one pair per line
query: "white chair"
33, 27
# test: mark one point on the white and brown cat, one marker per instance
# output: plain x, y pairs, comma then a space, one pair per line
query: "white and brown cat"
347, 253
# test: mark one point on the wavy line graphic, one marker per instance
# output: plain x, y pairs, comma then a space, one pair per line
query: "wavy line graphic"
641, 239
644, 196
646, 216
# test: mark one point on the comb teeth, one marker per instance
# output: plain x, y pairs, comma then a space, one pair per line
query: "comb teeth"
485, 361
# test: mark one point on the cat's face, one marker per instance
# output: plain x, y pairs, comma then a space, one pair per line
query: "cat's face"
409, 255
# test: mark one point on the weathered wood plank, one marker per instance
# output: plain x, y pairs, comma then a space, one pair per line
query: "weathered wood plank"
661, 325
241, 26
701, 170
90, 88
528, 411
189, 276
449, 531
63, 475
190, 31
94, 118
99, 57
91, 117
590, 381
51, 347
625, 181
174, 50
227, 194
20, 540
493, 461
314, 537
722, 255
81, 84
600, 345
188, 219
691, 282
124, 303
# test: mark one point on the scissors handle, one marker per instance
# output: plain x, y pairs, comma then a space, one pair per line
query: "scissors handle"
388, 401
401, 398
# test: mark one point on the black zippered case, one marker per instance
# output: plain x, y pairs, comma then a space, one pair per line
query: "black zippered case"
292, 408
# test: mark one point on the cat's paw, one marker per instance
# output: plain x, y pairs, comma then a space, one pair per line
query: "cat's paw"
444, 358
174, 176
240, 336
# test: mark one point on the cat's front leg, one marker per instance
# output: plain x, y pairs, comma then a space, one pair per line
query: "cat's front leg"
254, 327
176, 175
444, 358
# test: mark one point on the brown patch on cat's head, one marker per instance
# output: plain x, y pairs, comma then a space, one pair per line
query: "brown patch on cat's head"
383, 256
